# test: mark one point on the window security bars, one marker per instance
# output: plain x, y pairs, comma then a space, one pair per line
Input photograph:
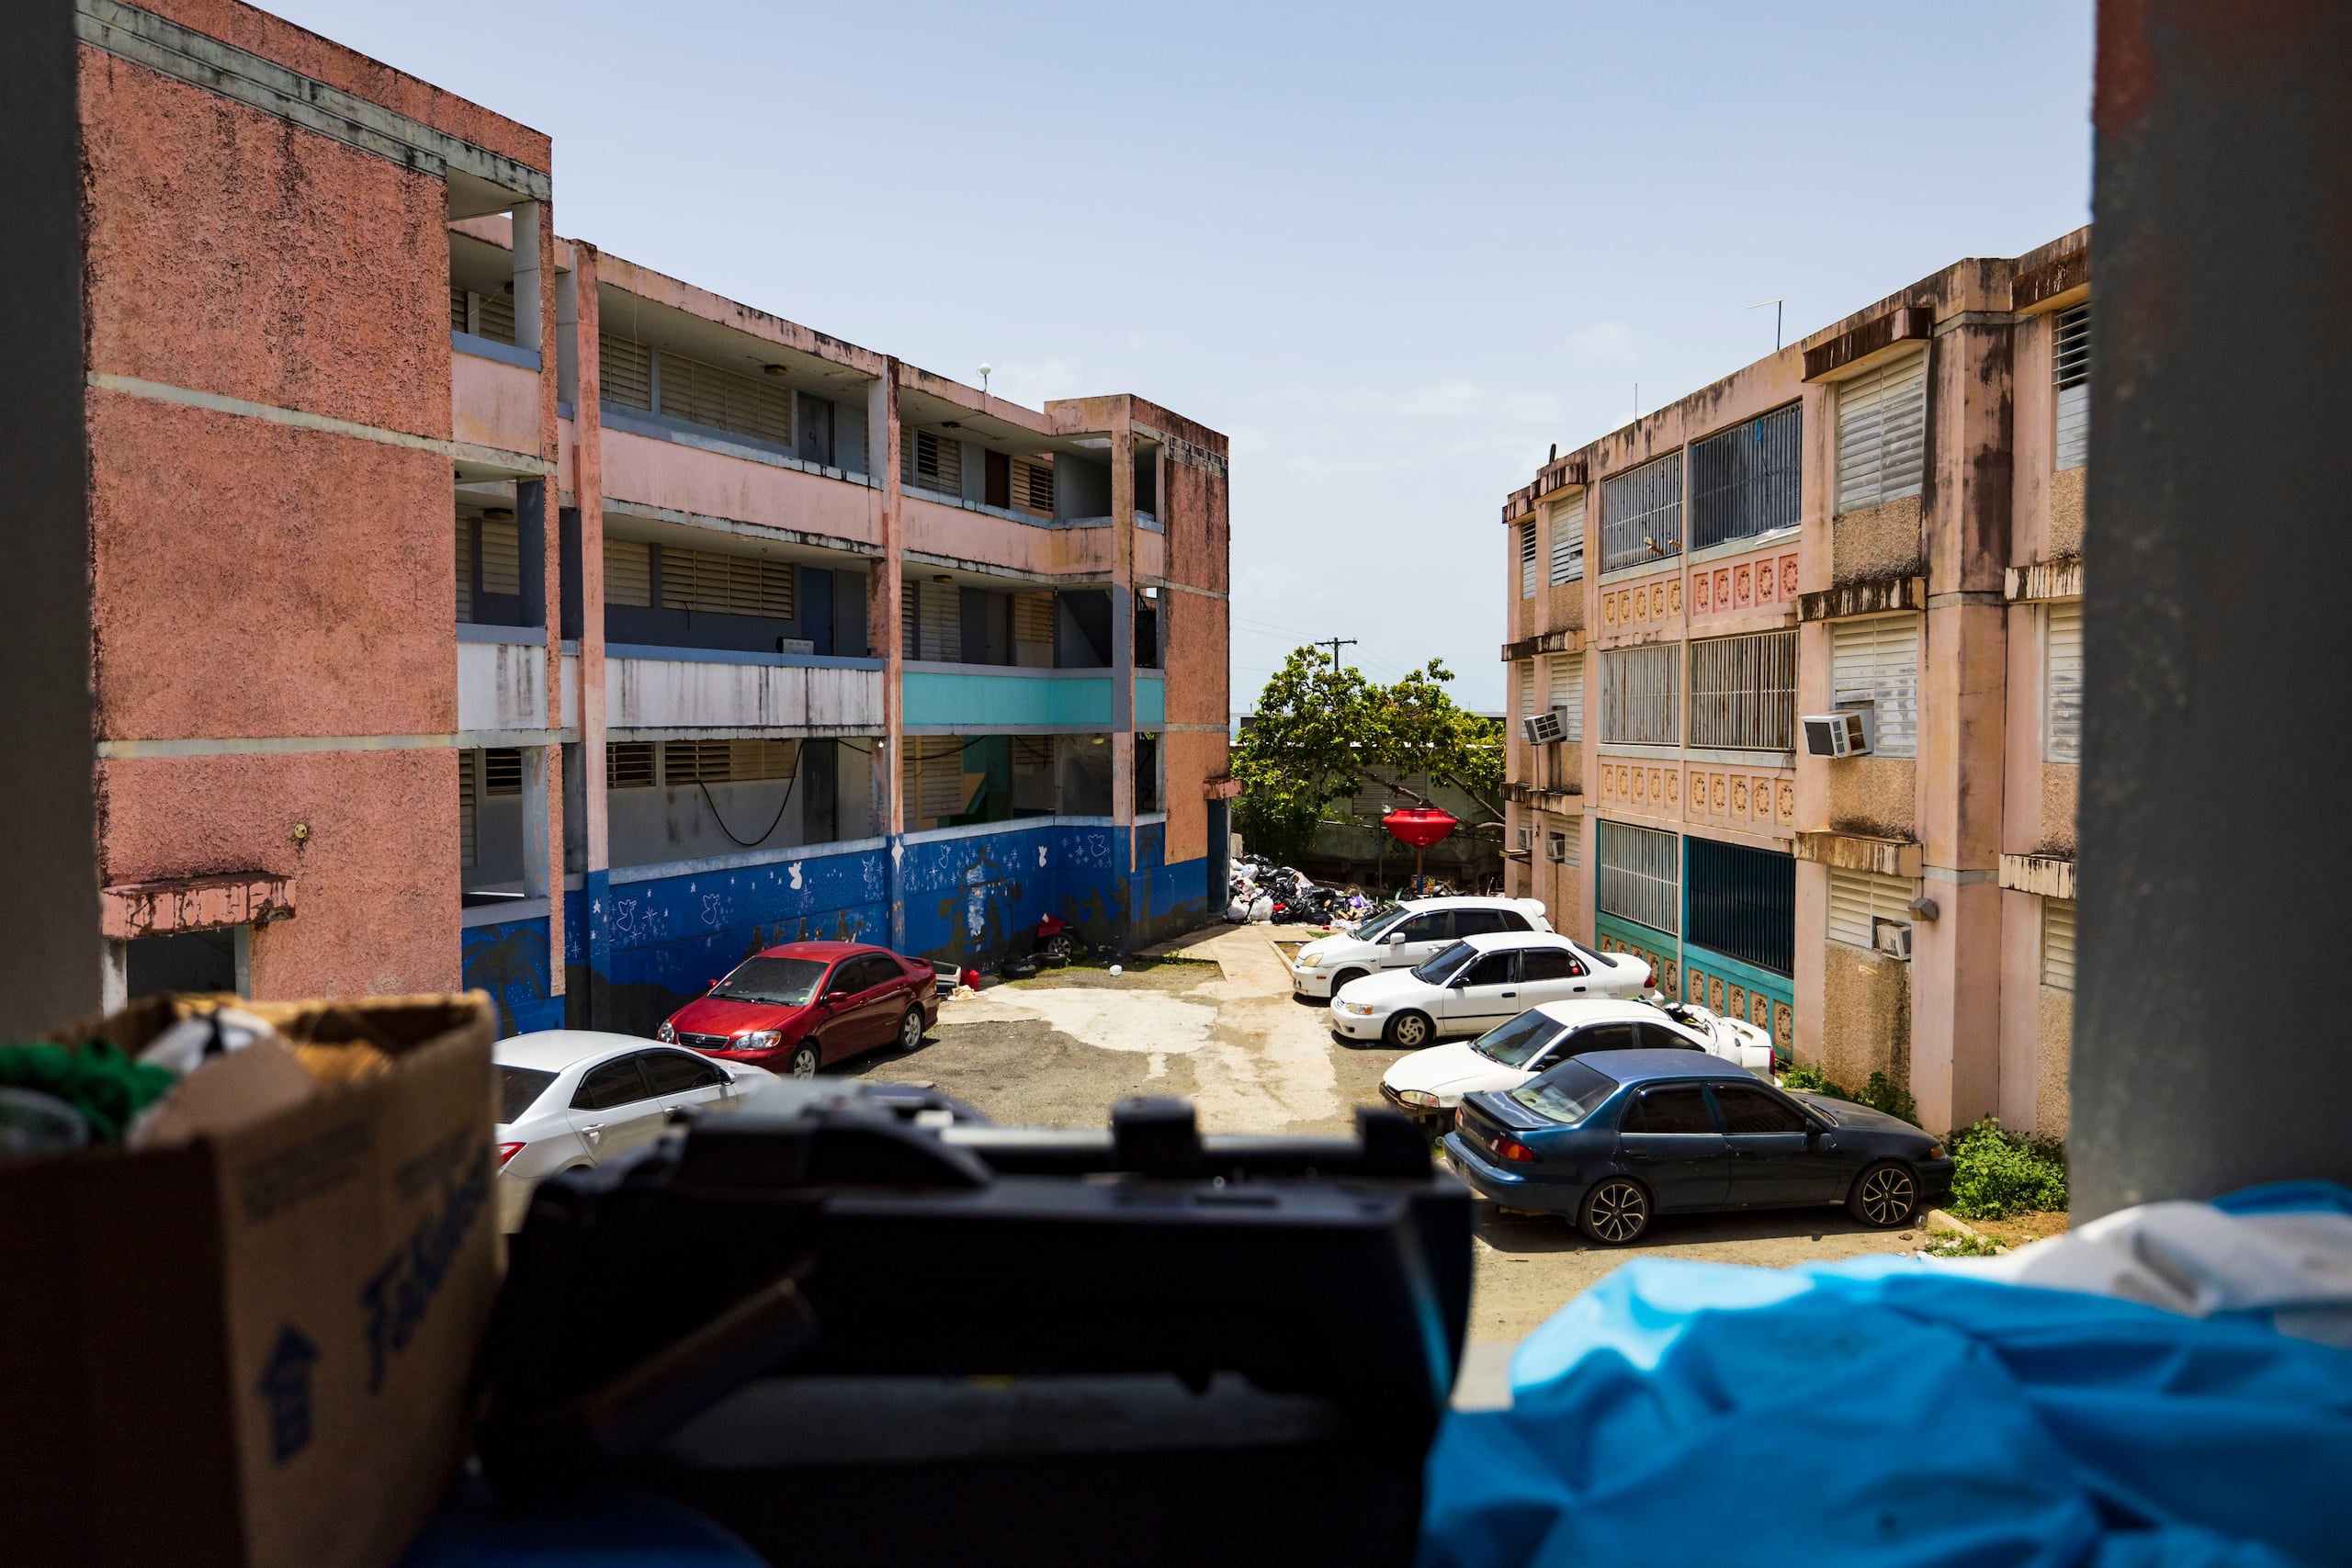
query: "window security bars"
1639, 688
1746, 480
1641, 876
1744, 691
1641, 514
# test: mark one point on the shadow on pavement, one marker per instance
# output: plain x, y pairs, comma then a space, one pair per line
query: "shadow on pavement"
1536, 1234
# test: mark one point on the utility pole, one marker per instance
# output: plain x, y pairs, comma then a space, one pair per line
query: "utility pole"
1334, 644
1777, 305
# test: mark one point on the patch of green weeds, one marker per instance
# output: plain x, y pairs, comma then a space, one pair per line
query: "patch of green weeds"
1997, 1173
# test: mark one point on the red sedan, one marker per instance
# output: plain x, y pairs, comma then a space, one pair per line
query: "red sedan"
794, 1008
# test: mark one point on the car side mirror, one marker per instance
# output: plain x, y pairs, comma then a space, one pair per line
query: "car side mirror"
1396, 939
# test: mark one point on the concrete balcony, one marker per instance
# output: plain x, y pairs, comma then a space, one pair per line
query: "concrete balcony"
988, 536
652, 693
971, 699
653, 465
494, 402
503, 682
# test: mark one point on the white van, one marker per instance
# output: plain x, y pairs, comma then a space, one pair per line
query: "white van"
1403, 936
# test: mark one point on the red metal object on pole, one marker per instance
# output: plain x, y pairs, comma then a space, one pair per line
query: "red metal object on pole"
1420, 826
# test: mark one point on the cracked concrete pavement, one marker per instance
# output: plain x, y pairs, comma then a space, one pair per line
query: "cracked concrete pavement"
1212, 1018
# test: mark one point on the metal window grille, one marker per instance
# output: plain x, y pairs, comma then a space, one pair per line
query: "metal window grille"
1876, 659
704, 394
1641, 513
1527, 560
1882, 433
1567, 539
502, 770
726, 585
629, 572
2062, 682
931, 461
2058, 943
625, 372
1747, 480
1567, 694
1641, 876
1744, 903
2070, 364
1033, 485
1860, 899
1744, 691
629, 765
1639, 692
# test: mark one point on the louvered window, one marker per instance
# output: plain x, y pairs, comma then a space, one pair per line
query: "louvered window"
1526, 671
932, 776
1566, 842
629, 765
1882, 433
1747, 480
468, 852
1860, 901
1567, 694
726, 585
629, 572
2062, 682
502, 771
1567, 539
460, 321
494, 317
928, 460
931, 622
2071, 369
1032, 618
1641, 876
1744, 691
1877, 659
2058, 943
626, 372
502, 556
1641, 514
1527, 560
465, 570
704, 394
1033, 485
726, 762
1640, 688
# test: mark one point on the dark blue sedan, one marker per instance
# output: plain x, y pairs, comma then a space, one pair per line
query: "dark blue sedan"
1613, 1140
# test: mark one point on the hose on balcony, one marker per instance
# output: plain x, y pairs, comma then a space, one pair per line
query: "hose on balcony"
753, 843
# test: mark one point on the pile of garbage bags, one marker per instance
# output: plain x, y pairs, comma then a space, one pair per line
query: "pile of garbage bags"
1261, 892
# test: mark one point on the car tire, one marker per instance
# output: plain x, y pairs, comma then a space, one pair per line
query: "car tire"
1616, 1213
1408, 1032
910, 1030
805, 1060
1885, 1196
1346, 977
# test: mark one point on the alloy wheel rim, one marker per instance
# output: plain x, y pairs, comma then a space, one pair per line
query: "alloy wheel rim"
804, 1064
1886, 1196
911, 1032
1410, 1031
1618, 1212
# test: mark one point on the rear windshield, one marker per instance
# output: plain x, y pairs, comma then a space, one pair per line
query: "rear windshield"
788, 981
1515, 1043
518, 1088
1568, 1093
1446, 964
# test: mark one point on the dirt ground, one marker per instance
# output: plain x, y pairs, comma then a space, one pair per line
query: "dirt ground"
1214, 1019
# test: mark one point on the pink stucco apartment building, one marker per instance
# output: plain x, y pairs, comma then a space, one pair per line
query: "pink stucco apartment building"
1883, 521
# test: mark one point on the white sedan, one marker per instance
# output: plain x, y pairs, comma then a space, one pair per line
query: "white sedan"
1405, 936
1430, 1084
574, 1097
1479, 981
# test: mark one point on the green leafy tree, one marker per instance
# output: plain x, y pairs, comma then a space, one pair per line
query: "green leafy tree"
1321, 733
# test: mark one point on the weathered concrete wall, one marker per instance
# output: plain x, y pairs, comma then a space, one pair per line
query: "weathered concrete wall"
1874, 796
2064, 532
2061, 782
1865, 1016
1878, 541
2053, 1101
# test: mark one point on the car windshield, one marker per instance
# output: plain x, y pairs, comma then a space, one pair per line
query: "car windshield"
788, 981
1516, 1044
1568, 1093
518, 1088
1374, 926
1446, 964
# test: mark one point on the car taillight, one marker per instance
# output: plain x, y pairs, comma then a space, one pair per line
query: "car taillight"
1461, 1118
1513, 1150
507, 1152
1651, 983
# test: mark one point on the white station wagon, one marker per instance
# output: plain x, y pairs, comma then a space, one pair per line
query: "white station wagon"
1479, 981
1407, 935
1430, 1084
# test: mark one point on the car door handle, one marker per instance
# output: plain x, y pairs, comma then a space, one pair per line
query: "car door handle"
1637, 1153
1579, 988
1748, 1154
594, 1131
1509, 995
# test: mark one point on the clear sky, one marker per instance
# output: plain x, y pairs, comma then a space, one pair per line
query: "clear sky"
1394, 252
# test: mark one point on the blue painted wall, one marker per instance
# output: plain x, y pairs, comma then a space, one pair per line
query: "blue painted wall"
510, 961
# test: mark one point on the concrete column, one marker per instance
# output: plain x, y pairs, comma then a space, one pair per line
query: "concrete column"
533, 284
578, 342
882, 627
1123, 635
542, 821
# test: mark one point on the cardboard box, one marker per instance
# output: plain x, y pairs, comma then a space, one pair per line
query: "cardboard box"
254, 1348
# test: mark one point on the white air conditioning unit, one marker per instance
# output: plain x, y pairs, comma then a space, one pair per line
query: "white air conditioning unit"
1544, 728
1555, 848
1892, 937
1849, 732
1526, 840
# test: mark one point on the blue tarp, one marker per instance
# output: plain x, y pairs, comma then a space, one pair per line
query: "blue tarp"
1896, 1412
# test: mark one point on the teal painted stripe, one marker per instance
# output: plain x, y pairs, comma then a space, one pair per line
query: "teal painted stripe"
1636, 935
1151, 703
1778, 987
995, 702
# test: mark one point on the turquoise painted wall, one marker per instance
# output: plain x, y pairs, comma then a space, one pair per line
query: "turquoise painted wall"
1009, 701
1151, 703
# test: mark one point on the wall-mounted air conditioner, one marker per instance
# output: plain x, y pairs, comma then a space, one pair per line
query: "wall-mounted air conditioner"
1555, 849
1544, 728
1849, 732
1526, 840
1892, 937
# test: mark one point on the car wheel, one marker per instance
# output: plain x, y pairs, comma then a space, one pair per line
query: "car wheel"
803, 1062
1344, 977
910, 1030
1616, 1212
1407, 1030
1885, 1196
